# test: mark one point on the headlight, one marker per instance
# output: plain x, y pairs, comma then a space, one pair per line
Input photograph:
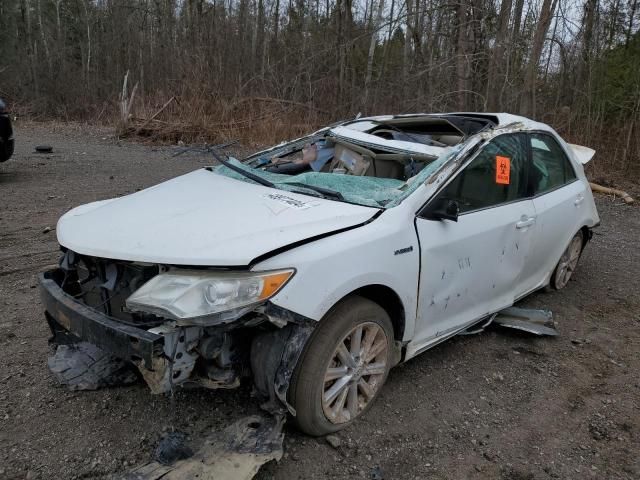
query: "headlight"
186, 294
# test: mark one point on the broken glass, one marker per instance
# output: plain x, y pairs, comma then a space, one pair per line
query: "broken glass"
362, 190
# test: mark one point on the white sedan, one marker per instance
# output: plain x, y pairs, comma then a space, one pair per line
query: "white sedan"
317, 265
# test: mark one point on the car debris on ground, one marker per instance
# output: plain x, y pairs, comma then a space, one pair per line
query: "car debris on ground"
84, 366
171, 448
240, 451
236, 453
538, 322
44, 149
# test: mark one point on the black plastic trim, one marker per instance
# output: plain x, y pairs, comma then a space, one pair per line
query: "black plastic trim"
65, 314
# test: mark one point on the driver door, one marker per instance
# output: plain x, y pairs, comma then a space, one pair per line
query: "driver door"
472, 267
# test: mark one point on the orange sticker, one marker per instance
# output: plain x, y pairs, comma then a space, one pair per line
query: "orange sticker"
503, 169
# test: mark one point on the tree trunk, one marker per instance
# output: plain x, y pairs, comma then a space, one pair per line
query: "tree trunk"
515, 54
462, 52
494, 83
406, 49
528, 101
632, 15
340, 48
590, 8
372, 48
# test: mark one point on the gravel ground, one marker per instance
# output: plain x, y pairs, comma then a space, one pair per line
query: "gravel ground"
493, 405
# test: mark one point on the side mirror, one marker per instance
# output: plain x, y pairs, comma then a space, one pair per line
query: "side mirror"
442, 209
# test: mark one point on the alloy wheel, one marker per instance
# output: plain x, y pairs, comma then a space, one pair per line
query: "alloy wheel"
568, 262
355, 372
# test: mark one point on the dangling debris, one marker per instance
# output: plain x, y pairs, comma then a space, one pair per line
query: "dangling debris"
538, 322
479, 327
83, 366
236, 453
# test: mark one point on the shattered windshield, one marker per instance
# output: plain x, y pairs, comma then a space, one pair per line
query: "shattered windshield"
361, 190
374, 162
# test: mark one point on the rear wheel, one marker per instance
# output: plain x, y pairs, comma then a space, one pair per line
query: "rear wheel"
344, 367
568, 262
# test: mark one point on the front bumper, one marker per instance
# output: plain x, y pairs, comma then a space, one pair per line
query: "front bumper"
168, 355
67, 316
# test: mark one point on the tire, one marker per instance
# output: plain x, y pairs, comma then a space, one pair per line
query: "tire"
4, 151
308, 386
568, 262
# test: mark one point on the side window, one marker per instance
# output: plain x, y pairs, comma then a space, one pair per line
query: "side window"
550, 167
497, 175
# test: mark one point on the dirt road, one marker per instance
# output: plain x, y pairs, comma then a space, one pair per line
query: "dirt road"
494, 405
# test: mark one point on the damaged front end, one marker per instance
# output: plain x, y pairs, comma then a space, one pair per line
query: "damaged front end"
142, 314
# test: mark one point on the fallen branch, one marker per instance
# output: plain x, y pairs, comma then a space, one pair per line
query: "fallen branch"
152, 117
612, 191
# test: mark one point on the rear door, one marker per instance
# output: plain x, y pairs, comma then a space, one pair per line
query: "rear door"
558, 198
474, 266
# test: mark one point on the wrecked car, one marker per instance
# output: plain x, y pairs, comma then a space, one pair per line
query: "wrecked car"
318, 264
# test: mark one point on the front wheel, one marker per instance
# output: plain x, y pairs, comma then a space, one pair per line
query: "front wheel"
343, 368
568, 262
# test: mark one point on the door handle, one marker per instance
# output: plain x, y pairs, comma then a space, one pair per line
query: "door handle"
526, 222
578, 200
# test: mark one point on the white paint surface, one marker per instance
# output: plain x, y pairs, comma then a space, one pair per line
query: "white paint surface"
202, 218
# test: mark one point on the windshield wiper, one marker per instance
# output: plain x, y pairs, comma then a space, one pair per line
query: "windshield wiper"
262, 181
324, 191
252, 176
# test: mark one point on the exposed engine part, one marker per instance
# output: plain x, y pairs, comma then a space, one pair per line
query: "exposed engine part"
187, 355
178, 359
193, 356
209, 347
218, 346
222, 376
104, 285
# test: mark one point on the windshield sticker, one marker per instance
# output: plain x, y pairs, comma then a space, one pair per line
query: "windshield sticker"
503, 168
288, 201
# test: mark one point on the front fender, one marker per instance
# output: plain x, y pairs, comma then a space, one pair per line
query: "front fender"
331, 268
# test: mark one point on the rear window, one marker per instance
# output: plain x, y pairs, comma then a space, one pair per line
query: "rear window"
550, 166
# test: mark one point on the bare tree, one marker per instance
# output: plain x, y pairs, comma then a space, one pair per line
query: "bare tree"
497, 61
292, 65
528, 105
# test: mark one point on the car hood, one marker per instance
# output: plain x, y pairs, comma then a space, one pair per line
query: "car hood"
203, 218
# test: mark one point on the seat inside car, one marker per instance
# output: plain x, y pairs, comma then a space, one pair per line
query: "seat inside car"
385, 169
